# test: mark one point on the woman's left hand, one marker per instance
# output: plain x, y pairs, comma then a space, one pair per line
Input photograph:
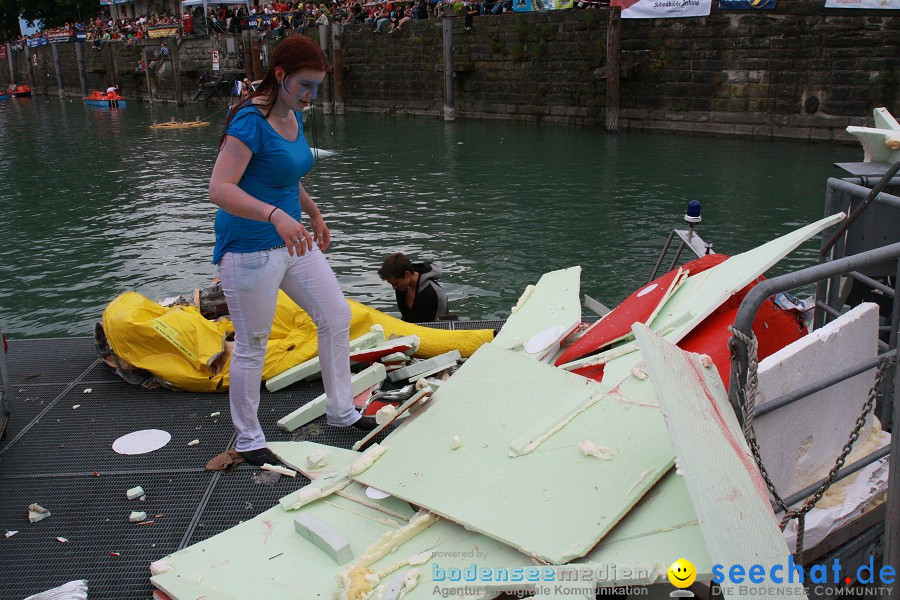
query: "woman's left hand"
321, 235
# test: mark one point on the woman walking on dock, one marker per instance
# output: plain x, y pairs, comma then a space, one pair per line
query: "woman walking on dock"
262, 245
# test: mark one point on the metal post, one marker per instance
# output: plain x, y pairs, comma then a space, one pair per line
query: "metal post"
662, 256
12, 63
892, 515
837, 250
176, 73
613, 50
79, 59
337, 69
54, 49
449, 110
832, 205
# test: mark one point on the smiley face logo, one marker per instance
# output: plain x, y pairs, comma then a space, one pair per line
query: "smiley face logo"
682, 573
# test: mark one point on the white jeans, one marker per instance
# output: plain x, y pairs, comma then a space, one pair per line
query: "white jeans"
250, 281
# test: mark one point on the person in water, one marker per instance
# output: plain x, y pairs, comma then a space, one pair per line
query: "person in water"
420, 297
262, 244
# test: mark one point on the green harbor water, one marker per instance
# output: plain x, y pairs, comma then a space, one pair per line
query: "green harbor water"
94, 203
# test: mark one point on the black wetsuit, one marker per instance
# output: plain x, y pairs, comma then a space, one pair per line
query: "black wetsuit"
430, 302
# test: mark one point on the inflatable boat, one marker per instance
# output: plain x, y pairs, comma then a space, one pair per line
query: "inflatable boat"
104, 99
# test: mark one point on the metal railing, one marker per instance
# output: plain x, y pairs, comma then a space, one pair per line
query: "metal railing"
832, 272
856, 199
7, 390
689, 239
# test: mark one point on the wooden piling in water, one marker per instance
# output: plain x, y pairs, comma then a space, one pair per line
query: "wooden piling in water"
449, 110
29, 66
12, 63
613, 52
176, 72
256, 61
79, 59
111, 69
145, 53
248, 60
327, 108
337, 68
54, 50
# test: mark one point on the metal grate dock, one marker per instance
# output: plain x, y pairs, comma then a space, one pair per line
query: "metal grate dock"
61, 458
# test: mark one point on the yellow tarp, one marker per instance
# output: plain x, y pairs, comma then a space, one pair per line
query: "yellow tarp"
185, 350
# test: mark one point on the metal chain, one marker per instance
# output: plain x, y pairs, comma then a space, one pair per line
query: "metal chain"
748, 404
747, 409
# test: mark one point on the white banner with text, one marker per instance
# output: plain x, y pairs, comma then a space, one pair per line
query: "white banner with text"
868, 4
662, 9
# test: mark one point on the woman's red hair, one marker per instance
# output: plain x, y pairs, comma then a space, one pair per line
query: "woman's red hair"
291, 54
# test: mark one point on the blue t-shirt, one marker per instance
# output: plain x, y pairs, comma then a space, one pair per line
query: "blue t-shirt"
272, 175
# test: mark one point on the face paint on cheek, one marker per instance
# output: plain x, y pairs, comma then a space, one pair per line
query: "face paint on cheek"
301, 89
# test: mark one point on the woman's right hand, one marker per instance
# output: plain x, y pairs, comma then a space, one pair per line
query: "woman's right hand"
296, 238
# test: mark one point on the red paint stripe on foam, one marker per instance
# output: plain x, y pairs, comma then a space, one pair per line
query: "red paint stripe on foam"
269, 528
747, 461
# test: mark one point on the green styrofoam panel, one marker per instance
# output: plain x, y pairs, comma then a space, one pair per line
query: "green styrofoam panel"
661, 526
554, 301
704, 292
259, 559
494, 399
728, 493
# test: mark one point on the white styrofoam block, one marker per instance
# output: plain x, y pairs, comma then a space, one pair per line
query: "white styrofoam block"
800, 442
445, 360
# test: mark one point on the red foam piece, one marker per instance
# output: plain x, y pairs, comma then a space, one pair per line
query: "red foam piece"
774, 328
636, 308
372, 355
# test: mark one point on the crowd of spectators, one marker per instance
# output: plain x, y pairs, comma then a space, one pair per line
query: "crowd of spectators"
380, 16
104, 29
278, 16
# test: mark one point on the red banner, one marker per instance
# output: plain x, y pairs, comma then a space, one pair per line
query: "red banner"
2, 50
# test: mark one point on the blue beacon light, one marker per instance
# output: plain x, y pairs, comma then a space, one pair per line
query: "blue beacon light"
693, 212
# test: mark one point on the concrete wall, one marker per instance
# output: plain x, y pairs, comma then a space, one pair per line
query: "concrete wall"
801, 71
